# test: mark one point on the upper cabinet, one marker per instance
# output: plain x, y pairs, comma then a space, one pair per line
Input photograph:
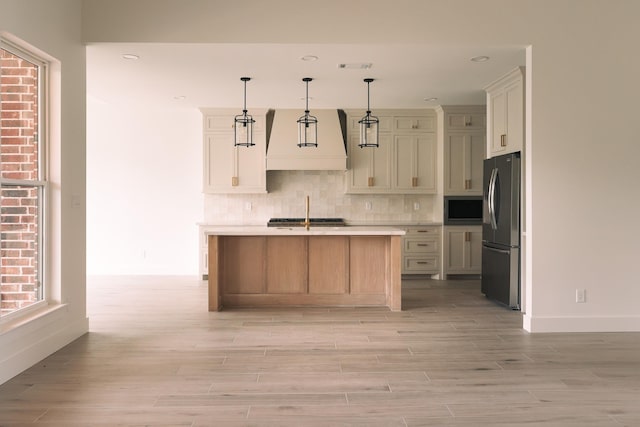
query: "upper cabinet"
505, 113
465, 118
415, 163
411, 124
464, 149
405, 161
227, 168
369, 168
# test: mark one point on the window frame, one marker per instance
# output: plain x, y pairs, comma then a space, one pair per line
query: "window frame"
42, 183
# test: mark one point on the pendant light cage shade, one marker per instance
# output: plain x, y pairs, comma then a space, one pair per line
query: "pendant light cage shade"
243, 123
369, 129
307, 124
244, 130
307, 130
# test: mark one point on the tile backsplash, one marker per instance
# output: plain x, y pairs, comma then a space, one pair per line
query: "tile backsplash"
286, 198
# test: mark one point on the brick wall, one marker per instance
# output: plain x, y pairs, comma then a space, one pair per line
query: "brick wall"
18, 204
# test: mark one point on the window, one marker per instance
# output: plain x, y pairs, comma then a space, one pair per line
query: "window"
22, 179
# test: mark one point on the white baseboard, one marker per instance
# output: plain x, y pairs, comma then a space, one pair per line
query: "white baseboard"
38, 339
581, 324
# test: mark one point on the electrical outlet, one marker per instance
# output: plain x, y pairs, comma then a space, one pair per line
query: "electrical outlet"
581, 295
416, 206
247, 206
367, 206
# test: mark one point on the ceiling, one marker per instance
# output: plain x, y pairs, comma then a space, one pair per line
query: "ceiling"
208, 75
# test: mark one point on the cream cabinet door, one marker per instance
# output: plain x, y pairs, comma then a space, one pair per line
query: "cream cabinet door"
505, 100
498, 107
230, 169
415, 158
464, 155
219, 159
227, 168
385, 123
426, 123
369, 168
462, 250
514, 94
465, 121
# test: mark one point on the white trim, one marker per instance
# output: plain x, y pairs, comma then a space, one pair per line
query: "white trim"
42, 61
37, 338
21, 313
22, 182
581, 324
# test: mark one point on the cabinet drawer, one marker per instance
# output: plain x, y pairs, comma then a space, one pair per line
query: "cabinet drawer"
421, 245
423, 231
421, 264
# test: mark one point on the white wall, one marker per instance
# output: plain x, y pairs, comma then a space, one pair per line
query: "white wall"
583, 109
144, 180
54, 28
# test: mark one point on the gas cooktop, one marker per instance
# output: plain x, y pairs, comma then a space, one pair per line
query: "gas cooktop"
299, 222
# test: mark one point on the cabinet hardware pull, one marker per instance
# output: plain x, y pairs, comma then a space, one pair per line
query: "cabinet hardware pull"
422, 244
422, 262
414, 181
370, 181
234, 181
422, 231
467, 236
503, 140
467, 184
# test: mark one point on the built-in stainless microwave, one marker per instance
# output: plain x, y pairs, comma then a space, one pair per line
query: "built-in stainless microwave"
462, 210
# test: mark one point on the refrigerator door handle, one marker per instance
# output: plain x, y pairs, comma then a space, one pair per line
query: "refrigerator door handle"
491, 198
501, 251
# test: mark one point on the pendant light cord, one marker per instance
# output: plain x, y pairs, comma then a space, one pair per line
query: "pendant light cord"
307, 98
244, 110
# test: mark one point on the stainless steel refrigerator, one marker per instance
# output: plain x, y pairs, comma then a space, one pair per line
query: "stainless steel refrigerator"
501, 230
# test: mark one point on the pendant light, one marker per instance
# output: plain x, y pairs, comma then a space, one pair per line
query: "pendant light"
307, 125
368, 125
243, 123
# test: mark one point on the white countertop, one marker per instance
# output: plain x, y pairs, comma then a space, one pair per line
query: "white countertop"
261, 230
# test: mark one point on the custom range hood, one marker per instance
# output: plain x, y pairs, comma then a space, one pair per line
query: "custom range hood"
283, 152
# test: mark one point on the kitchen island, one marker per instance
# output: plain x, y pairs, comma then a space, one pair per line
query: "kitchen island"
256, 266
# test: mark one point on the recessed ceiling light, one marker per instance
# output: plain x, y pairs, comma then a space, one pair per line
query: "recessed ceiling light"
131, 56
479, 58
356, 66
431, 99
309, 58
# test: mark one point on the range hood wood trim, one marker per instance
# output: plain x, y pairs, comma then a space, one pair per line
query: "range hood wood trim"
301, 163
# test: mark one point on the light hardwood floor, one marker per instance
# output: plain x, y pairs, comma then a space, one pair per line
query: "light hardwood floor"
156, 357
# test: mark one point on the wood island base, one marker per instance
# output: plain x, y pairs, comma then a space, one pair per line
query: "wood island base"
304, 270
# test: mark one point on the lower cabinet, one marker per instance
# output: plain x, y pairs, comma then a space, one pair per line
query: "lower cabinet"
462, 250
421, 250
